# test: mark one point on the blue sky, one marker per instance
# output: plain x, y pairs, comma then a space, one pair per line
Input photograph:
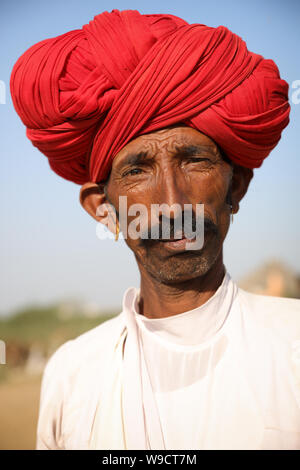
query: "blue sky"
49, 249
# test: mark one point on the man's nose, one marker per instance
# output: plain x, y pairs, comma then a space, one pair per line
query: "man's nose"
172, 190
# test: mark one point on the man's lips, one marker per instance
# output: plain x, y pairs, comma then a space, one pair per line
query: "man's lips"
176, 244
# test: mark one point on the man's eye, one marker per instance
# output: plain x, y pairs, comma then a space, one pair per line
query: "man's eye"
133, 171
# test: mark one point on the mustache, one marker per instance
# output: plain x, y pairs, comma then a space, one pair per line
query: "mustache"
173, 223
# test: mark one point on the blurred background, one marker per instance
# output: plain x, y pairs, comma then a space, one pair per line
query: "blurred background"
57, 278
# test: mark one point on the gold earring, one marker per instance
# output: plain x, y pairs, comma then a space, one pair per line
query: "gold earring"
117, 231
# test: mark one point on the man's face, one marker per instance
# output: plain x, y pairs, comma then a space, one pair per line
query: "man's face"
177, 165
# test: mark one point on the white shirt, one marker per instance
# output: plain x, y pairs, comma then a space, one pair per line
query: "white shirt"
181, 352
225, 375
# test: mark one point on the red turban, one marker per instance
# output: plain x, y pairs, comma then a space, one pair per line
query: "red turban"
85, 94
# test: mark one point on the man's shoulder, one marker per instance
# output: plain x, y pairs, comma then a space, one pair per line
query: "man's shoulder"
278, 314
103, 333
94, 342
271, 303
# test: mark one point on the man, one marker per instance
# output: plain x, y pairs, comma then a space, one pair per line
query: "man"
159, 112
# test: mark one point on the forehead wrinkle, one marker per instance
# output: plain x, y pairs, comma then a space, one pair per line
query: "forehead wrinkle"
174, 142
177, 143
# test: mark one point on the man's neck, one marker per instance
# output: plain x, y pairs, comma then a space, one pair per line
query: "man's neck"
159, 300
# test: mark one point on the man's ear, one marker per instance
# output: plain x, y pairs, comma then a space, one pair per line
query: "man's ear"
241, 178
92, 196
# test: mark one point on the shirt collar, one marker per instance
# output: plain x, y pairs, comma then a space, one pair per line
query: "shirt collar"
191, 327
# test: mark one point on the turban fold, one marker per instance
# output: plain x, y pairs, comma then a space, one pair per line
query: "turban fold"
85, 94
